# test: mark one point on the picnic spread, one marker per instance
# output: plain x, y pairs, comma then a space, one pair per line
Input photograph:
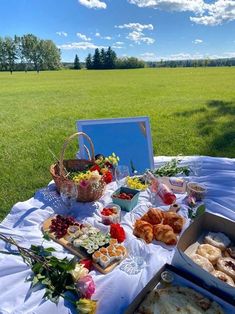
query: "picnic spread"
126, 233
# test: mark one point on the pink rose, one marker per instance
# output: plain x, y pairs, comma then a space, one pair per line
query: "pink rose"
86, 286
84, 183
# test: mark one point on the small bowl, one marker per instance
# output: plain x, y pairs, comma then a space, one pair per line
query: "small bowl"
126, 204
196, 190
111, 219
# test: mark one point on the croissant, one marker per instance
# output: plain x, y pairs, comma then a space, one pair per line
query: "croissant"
174, 220
165, 234
143, 230
154, 216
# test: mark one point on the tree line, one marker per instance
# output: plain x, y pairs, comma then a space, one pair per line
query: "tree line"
107, 59
28, 52
192, 63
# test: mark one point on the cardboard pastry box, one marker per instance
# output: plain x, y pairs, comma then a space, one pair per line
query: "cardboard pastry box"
188, 242
180, 279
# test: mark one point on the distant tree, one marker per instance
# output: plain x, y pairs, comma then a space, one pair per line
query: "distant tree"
31, 50
18, 43
11, 53
50, 55
26, 51
103, 60
77, 65
89, 64
3, 60
129, 63
111, 58
96, 60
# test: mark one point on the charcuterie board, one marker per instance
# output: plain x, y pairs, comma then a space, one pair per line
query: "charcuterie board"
79, 251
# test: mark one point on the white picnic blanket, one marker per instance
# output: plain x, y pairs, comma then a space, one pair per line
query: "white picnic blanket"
116, 290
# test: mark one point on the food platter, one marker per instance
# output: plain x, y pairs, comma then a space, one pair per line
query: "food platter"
77, 251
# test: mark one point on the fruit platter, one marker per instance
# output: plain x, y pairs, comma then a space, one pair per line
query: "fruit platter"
126, 198
86, 241
110, 214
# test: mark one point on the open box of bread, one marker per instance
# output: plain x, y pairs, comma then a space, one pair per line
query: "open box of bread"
191, 241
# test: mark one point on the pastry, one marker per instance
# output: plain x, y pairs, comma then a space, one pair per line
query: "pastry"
165, 234
230, 252
104, 261
174, 220
224, 277
177, 299
154, 216
210, 252
202, 262
217, 239
227, 266
143, 230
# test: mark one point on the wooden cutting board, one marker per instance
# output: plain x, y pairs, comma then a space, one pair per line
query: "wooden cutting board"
77, 251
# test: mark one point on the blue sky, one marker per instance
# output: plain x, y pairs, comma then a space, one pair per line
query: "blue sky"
147, 29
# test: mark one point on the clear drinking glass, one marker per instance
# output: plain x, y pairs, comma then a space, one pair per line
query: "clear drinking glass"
132, 265
121, 172
196, 167
68, 194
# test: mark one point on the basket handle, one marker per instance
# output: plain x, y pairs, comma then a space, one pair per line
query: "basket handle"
61, 162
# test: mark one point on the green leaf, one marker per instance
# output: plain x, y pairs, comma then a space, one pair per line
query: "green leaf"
40, 276
46, 281
70, 287
50, 249
190, 213
35, 248
46, 236
200, 210
35, 281
37, 268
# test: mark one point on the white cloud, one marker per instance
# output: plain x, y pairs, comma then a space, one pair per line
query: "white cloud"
136, 26
216, 13
64, 34
213, 13
83, 37
107, 37
229, 54
118, 45
171, 5
103, 37
197, 41
137, 34
196, 56
139, 37
93, 4
148, 56
184, 56
80, 45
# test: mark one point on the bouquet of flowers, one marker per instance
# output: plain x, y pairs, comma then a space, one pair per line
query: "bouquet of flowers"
59, 277
103, 169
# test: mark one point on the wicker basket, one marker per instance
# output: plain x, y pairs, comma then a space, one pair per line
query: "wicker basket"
84, 194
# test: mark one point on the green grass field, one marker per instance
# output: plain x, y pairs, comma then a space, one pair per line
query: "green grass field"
192, 111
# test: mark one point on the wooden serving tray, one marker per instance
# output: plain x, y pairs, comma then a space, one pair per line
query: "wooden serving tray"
76, 251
